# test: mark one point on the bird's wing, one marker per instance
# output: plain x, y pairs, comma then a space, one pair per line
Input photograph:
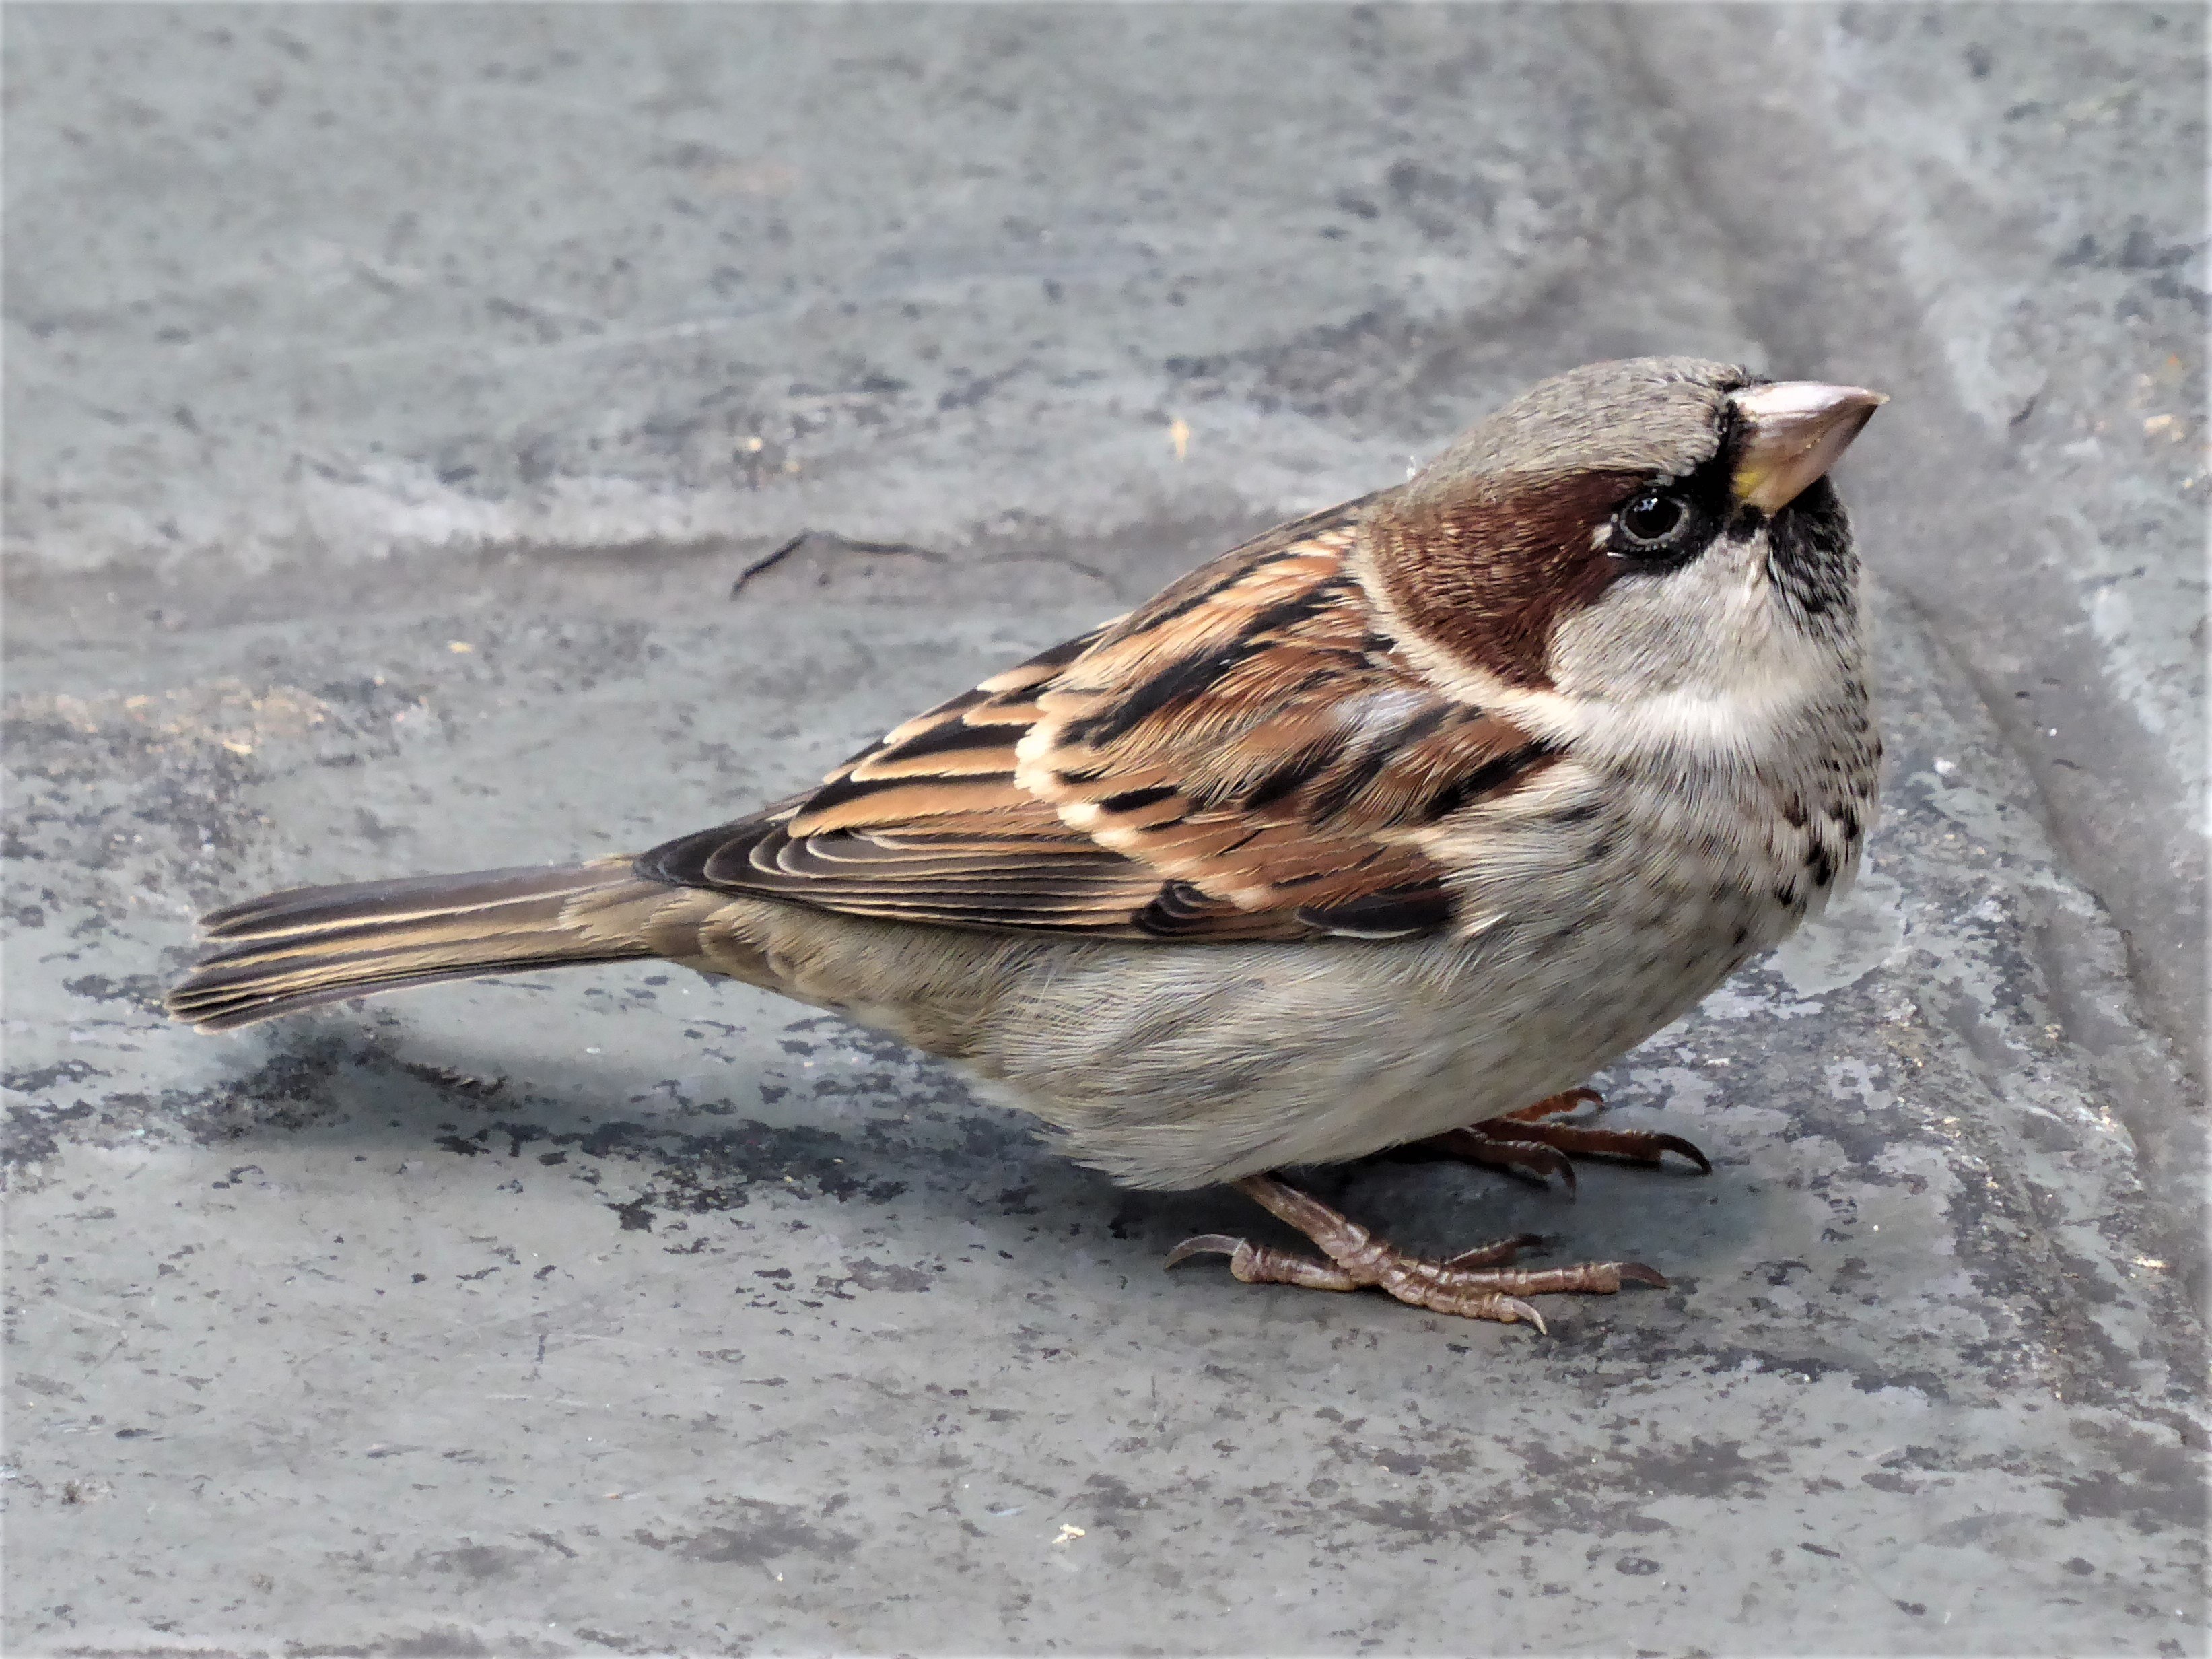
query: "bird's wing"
1245, 757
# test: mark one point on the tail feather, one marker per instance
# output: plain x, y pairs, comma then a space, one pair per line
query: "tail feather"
289, 951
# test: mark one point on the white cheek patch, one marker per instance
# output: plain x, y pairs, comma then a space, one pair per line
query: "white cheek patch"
1706, 660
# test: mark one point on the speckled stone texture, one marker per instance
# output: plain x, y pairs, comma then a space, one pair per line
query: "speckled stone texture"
403, 408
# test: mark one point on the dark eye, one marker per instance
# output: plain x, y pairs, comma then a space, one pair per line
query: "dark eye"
1652, 522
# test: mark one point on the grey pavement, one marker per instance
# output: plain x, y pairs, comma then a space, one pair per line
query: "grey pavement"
402, 408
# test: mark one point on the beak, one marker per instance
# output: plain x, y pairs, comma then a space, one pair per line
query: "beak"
1791, 433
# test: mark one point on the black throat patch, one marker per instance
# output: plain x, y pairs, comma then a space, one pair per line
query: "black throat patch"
1809, 554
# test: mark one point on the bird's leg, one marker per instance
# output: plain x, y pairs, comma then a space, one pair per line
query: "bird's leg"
1477, 1284
1522, 1143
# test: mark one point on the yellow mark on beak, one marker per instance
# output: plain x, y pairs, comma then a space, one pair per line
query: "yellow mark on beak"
1792, 433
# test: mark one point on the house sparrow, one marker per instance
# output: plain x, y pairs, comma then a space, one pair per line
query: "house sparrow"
1366, 835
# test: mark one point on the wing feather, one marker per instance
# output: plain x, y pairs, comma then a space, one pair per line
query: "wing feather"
1245, 757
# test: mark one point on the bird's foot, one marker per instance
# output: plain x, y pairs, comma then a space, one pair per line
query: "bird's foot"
1477, 1284
1523, 1143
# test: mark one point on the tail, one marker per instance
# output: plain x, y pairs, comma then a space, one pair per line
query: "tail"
289, 951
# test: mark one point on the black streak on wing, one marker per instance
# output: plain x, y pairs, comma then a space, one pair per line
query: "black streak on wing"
1341, 790
1384, 915
1134, 800
1185, 677
1488, 776
683, 862
1300, 769
946, 740
1179, 909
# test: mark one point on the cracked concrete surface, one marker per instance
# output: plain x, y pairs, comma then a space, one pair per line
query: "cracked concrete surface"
394, 399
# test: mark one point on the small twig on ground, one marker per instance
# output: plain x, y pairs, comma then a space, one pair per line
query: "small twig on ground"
770, 560
767, 562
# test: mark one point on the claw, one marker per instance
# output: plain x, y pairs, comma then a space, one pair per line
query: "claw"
1204, 1244
1637, 1273
1542, 1162
1511, 1309
1498, 1253
1676, 1143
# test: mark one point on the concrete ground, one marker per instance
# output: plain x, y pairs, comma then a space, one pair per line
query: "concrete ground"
401, 407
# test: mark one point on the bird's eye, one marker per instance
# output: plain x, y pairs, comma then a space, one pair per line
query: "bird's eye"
1652, 522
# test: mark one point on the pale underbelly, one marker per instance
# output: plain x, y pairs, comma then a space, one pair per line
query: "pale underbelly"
1188, 1068
1174, 1066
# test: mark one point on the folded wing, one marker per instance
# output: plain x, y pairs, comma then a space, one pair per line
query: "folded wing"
1245, 757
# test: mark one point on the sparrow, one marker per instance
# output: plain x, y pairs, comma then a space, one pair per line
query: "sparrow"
1379, 832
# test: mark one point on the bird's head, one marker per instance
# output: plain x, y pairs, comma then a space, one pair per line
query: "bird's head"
1658, 531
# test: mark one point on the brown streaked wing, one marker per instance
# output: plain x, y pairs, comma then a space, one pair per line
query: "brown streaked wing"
1243, 757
